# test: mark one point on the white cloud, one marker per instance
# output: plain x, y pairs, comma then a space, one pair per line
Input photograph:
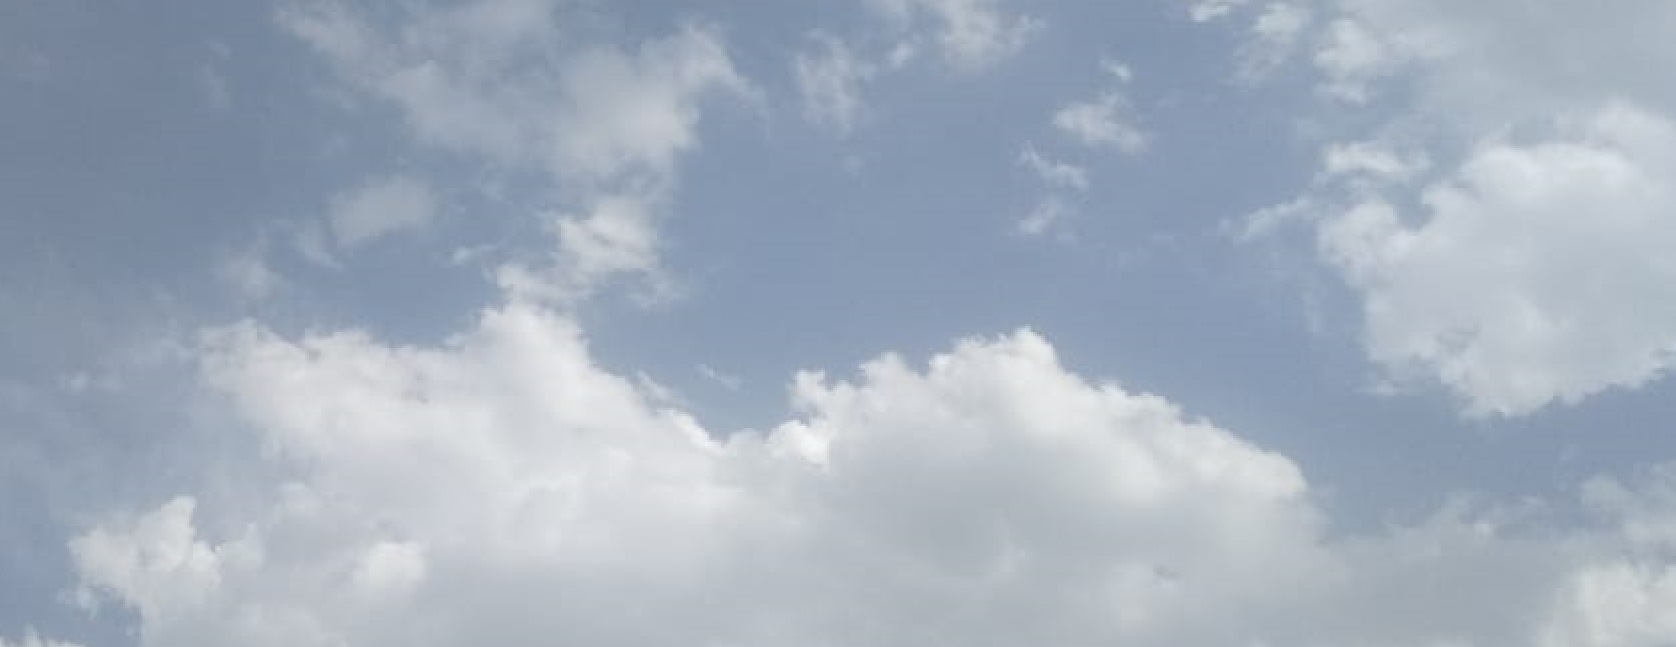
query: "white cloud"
1498, 219
1534, 274
1101, 122
1208, 10
830, 80
30, 639
1351, 56
249, 274
1054, 173
727, 381
1371, 161
1060, 177
1275, 35
379, 208
616, 238
1048, 212
989, 497
506, 81
970, 34
1106, 120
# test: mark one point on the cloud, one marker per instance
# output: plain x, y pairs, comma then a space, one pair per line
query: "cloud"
1048, 212
1054, 173
911, 503
615, 238
970, 34
1105, 120
379, 208
32, 640
1060, 178
727, 381
1498, 218
1275, 36
830, 80
1208, 10
987, 496
508, 84
1533, 273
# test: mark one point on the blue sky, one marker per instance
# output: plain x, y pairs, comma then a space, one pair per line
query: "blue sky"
893, 322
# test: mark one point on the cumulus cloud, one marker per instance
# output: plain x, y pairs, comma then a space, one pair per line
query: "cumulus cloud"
504, 487
1533, 273
1500, 222
990, 497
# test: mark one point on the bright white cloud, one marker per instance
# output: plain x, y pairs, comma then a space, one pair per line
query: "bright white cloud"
830, 79
503, 488
379, 208
989, 497
1502, 223
1534, 274
970, 34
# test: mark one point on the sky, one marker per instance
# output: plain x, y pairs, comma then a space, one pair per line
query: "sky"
1232, 323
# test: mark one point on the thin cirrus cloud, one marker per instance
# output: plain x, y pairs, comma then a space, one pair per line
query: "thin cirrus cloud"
831, 79
380, 208
969, 35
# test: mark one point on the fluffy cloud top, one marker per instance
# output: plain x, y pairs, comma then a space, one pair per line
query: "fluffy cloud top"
1529, 268
1536, 271
990, 498
504, 487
